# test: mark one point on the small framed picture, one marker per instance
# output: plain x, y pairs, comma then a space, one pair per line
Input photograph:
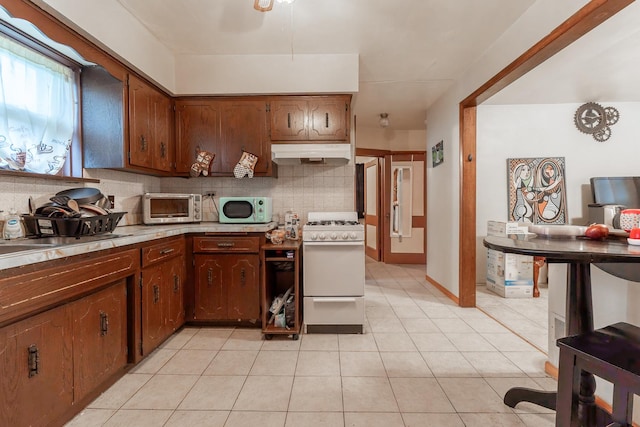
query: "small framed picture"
437, 153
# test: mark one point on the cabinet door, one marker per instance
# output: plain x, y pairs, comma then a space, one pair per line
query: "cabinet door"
210, 287
197, 127
243, 128
36, 369
175, 275
140, 119
288, 120
100, 337
243, 287
328, 119
163, 146
153, 312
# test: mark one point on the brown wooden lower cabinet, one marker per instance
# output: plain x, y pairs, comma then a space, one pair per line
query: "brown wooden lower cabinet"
227, 278
99, 337
163, 278
36, 369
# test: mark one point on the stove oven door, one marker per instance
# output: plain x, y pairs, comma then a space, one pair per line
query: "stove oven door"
333, 269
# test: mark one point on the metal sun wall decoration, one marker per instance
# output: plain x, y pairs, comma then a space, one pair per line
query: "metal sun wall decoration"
537, 192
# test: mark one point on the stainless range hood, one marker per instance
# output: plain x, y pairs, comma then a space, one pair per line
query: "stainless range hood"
292, 154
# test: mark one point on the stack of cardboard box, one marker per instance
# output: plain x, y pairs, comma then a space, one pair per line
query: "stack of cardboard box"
508, 275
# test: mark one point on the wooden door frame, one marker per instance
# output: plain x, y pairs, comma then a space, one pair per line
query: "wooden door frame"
373, 253
584, 20
387, 255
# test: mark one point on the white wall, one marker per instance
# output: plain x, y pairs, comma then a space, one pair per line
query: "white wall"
443, 125
390, 139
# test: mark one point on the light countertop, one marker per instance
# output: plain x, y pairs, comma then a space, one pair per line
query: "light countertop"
127, 235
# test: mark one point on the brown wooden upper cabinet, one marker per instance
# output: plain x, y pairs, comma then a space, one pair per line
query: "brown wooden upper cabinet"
310, 118
225, 127
126, 124
150, 142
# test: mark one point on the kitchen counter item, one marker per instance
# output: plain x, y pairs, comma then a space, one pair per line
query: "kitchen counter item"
83, 195
74, 227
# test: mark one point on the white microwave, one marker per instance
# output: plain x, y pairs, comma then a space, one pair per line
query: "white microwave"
245, 210
170, 208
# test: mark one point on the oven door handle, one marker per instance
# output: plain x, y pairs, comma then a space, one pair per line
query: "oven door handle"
334, 243
341, 299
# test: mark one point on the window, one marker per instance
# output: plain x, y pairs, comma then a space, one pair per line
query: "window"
38, 110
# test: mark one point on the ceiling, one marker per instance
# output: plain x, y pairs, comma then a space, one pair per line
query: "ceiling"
410, 51
601, 66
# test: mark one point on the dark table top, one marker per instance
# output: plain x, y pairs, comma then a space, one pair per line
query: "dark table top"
574, 249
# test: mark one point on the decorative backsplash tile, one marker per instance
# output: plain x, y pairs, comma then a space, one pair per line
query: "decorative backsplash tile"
303, 188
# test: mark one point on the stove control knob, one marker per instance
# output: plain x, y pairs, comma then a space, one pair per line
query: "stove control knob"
353, 235
322, 236
314, 236
334, 236
345, 236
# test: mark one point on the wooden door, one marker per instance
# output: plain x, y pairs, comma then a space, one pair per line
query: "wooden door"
176, 276
328, 119
407, 245
243, 128
372, 209
163, 147
140, 116
100, 337
210, 287
197, 127
243, 287
36, 369
288, 119
153, 312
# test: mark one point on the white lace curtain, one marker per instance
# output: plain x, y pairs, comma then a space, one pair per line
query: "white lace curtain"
37, 110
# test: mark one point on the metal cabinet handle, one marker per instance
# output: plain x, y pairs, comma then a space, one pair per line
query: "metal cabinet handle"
176, 283
33, 360
143, 143
166, 251
226, 244
210, 277
156, 294
326, 120
289, 120
104, 323
243, 276
163, 150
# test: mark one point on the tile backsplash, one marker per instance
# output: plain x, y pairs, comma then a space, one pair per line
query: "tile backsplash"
303, 188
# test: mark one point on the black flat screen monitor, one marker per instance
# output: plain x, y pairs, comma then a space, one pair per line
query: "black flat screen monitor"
622, 190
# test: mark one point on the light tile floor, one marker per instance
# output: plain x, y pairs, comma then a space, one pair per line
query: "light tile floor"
423, 361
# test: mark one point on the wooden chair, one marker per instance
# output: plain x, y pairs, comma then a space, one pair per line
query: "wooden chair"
611, 353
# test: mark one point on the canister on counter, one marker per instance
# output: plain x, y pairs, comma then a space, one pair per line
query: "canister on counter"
292, 225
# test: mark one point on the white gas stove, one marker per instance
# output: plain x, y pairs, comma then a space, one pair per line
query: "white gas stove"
333, 226
333, 269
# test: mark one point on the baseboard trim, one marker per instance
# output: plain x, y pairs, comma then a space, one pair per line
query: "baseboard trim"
442, 289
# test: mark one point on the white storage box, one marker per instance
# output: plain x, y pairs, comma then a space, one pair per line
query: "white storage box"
508, 275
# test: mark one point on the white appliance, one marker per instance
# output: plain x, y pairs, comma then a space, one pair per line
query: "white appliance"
333, 273
293, 154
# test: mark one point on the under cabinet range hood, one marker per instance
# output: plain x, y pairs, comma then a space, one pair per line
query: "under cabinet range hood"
292, 154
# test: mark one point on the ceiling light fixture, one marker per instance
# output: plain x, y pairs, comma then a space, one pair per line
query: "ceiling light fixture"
267, 5
384, 120
263, 5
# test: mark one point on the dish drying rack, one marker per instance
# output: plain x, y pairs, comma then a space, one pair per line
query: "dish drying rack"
43, 226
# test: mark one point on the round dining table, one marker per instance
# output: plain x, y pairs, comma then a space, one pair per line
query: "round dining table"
613, 255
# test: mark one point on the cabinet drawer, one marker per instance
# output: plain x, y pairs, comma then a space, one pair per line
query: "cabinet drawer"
226, 244
161, 251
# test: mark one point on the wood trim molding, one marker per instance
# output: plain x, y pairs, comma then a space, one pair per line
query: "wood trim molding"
442, 289
371, 152
584, 20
